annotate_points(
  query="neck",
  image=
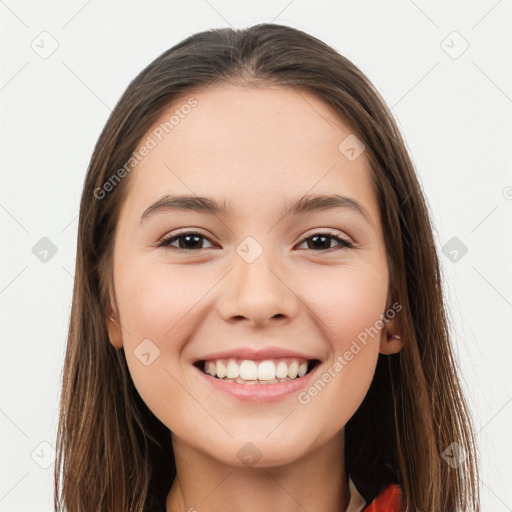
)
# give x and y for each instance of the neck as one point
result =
(315, 482)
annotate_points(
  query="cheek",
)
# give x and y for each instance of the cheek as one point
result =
(348, 308)
(159, 303)
(161, 310)
(167, 306)
(347, 304)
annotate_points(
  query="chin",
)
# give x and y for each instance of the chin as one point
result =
(261, 450)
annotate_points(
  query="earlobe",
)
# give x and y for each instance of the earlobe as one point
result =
(390, 341)
(114, 328)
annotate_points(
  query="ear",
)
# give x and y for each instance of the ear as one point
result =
(114, 326)
(391, 340)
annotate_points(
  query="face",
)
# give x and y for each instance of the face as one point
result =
(260, 281)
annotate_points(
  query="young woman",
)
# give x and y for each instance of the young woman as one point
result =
(258, 319)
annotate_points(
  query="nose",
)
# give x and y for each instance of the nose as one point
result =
(257, 293)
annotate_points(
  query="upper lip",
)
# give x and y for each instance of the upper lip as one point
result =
(256, 353)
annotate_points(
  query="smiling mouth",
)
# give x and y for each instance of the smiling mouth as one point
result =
(247, 371)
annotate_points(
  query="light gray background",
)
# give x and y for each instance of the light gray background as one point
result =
(455, 112)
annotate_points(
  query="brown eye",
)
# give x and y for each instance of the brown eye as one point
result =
(193, 241)
(322, 241)
(188, 241)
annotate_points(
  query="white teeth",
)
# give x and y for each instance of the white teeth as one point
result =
(281, 370)
(221, 370)
(233, 370)
(266, 370)
(293, 369)
(247, 371)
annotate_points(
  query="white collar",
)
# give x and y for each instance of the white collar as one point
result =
(357, 502)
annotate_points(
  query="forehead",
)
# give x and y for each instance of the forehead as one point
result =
(252, 145)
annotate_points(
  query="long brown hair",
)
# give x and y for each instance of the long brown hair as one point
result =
(113, 454)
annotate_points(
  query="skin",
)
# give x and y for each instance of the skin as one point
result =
(258, 148)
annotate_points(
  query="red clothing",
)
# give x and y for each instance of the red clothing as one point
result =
(389, 500)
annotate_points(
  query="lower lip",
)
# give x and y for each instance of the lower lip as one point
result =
(259, 392)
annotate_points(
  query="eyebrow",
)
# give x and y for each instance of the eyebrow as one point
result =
(306, 204)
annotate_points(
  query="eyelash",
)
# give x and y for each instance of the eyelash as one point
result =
(344, 243)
